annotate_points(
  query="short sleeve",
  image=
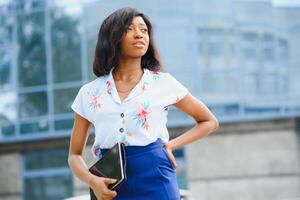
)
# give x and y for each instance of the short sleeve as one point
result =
(175, 90)
(79, 105)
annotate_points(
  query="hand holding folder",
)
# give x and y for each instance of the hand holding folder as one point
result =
(111, 165)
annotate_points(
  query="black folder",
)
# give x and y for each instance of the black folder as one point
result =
(111, 165)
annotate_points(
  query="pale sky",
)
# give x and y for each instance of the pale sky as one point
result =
(275, 2)
(286, 2)
(282, 2)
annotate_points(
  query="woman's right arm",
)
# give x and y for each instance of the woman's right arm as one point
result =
(80, 133)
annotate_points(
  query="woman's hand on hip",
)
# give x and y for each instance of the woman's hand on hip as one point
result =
(169, 151)
(100, 187)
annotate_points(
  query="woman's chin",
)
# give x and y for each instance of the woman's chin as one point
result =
(137, 54)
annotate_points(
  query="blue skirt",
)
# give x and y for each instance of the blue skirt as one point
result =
(150, 174)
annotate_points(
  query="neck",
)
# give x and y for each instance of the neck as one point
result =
(128, 69)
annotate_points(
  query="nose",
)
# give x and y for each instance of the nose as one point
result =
(138, 34)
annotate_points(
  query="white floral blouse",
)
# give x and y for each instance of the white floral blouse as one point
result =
(139, 120)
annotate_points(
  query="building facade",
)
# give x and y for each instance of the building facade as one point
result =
(240, 58)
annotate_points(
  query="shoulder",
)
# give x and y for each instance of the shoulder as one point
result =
(160, 76)
(97, 84)
(163, 79)
(167, 79)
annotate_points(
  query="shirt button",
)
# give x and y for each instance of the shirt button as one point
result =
(121, 130)
(122, 115)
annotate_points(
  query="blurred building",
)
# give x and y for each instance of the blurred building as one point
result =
(240, 58)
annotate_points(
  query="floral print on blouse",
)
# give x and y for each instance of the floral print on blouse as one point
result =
(142, 115)
(139, 119)
(95, 100)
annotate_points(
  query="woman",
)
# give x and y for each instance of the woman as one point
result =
(129, 102)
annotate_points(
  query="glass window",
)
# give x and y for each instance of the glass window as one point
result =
(46, 160)
(32, 55)
(91, 44)
(201, 48)
(202, 34)
(214, 48)
(268, 48)
(268, 54)
(212, 44)
(65, 124)
(283, 49)
(36, 127)
(63, 99)
(249, 46)
(215, 43)
(7, 130)
(251, 85)
(249, 53)
(48, 188)
(232, 42)
(232, 48)
(25, 5)
(271, 84)
(66, 56)
(8, 112)
(231, 108)
(47, 175)
(284, 84)
(5, 70)
(215, 83)
(33, 104)
(6, 25)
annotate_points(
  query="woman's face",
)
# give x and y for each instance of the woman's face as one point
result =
(135, 40)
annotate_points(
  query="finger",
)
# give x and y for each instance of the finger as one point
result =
(173, 161)
(110, 193)
(172, 158)
(104, 197)
(109, 180)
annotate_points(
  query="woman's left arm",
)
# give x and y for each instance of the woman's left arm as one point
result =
(206, 124)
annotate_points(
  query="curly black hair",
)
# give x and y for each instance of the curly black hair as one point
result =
(107, 50)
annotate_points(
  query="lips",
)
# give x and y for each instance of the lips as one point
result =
(139, 44)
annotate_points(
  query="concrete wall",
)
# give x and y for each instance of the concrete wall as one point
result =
(10, 176)
(249, 161)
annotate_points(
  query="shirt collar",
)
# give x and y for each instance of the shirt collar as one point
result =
(140, 87)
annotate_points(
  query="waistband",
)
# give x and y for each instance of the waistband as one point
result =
(133, 150)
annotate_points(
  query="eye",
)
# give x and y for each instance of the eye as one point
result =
(145, 30)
